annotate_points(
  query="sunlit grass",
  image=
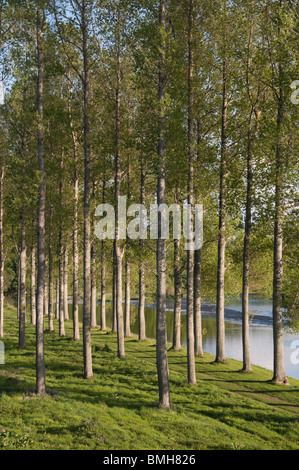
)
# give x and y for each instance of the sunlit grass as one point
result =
(117, 408)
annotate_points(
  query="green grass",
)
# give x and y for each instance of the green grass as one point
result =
(117, 409)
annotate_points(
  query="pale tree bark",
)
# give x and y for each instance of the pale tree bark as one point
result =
(119, 306)
(22, 248)
(220, 325)
(248, 226)
(33, 286)
(127, 265)
(127, 300)
(50, 299)
(118, 248)
(141, 303)
(103, 272)
(252, 134)
(61, 285)
(197, 274)
(22, 315)
(103, 287)
(57, 299)
(46, 298)
(76, 332)
(190, 253)
(161, 332)
(75, 307)
(65, 282)
(279, 375)
(50, 271)
(93, 282)
(177, 346)
(114, 309)
(61, 314)
(87, 357)
(246, 265)
(93, 289)
(197, 305)
(40, 354)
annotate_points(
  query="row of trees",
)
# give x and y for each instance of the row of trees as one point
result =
(161, 101)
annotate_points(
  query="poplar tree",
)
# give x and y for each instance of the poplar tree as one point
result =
(161, 349)
(40, 354)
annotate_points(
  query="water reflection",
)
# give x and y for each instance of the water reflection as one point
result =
(257, 306)
(261, 339)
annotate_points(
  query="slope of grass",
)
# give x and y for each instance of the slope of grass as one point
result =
(117, 408)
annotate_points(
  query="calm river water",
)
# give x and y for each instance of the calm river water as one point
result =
(261, 338)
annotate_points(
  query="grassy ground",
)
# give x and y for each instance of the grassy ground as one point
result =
(117, 409)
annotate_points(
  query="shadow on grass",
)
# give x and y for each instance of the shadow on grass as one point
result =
(222, 412)
(13, 385)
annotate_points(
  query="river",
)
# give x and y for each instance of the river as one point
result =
(261, 337)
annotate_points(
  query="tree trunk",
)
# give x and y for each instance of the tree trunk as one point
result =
(190, 253)
(119, 307)
(141, 303)
(93, 289)
(197, 275)
(114, 319)
(220, 326)
(128, 301)
(33, 287)
(61, 314)
(118, 249)
(40, 354)
(128, 265)
(22, 315)
(57, 298)
(161, 332)
(103, 287)
(197, 304)
(50, 305)
(65, 288)
(103, 272)
(246, 257)
(93, 284)
(279, 375)
(177, 298)
(61, 286)
(88, 371)
(76, 333)
(75, 308)
(248, 225)
(46, 299)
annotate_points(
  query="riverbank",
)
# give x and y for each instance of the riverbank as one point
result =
(117, 409)
(261, 333)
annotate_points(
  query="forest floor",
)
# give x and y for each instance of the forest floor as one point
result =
(117, 409)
